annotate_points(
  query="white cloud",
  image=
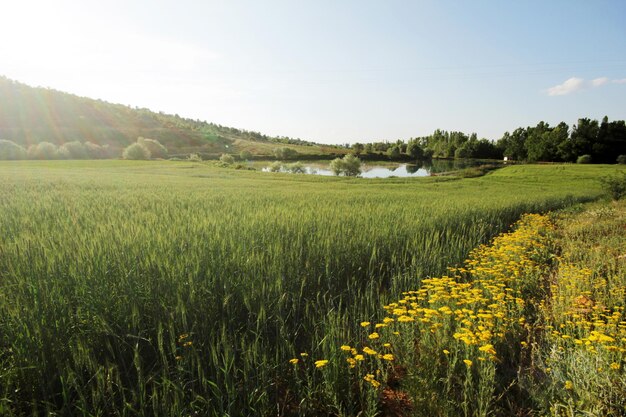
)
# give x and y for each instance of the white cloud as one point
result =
(569, 86)
(599, 81)
(574, 84)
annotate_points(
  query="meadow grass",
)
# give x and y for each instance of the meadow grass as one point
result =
(174, 288)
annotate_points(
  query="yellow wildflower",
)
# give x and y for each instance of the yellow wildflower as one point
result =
(321, 363)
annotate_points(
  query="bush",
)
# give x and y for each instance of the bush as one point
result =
(349, 166)
(95, 151)
(194, 157)
(72, 150)
(296, 168)
(42, 150)
(136, 151)
(227, 159)
(285, 153)
(275, 167)
(621, 159)
(154, 146)
(245, 155)
(11, 151)
(615, 186)
(584, 159)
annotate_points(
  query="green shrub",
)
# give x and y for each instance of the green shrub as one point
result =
(276, 166)
(95, 151)
(154, 146)
(42, 150)
(621, 159)
(136, 151)
(72, 150)
(296, 168)
(615, 186)
(11, 150)
(227, 159)
(584, 159)
(350, 166)
(285, 153)
(245, 155)
(194, 157)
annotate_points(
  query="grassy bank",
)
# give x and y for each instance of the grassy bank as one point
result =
(171, 288)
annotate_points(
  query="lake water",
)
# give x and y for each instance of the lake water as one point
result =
(388, 170)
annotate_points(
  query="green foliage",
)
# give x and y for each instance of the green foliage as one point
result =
(621, 159)
(72, 150)
(394, 152)
(615, 185)
(358, 148)
(136, 151)
(285, 153)
(584, 159)
(276, 166)
(350, 166)
(296, 168)
(227, 159)
(134, 288)
(11, 151)
(194, 157)
(157, 151)
(95, 151)
(42, 150)
(414, 150)
(245, 155)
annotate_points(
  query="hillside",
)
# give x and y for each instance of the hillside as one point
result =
(29, 115)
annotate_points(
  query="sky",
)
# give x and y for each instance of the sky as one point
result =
(330, 71)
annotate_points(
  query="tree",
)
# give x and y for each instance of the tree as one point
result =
(42, 150)
(245, 155)
(227, 159)
(514, 145)
(394, 152)
(357, 148)
(72, 150)
(136, 151)
(350, 166)
(543, 142)
(581, 140)
(285, 153)
(414, 150)
(11, 151)
(154, 146)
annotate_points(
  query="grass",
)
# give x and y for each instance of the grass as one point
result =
(174, 288)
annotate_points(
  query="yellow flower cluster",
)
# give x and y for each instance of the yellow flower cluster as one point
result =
(578, 319)
(477, 305)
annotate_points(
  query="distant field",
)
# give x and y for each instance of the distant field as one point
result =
(166, 288)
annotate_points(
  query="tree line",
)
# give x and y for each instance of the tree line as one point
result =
(586, 141)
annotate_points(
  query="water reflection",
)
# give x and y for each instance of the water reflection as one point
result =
(373, 170)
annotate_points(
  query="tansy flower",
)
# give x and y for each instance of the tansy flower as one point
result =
(369, 351)
(467, 362)
(346, 348)
(374, 336)
(293, 361)
(365, 323)
(569, 385)
(321, 363)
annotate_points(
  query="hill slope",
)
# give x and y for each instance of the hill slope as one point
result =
(30, 115)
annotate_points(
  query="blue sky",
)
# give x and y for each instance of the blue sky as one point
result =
(331, 71)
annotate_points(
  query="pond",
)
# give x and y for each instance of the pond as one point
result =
(376, 169)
